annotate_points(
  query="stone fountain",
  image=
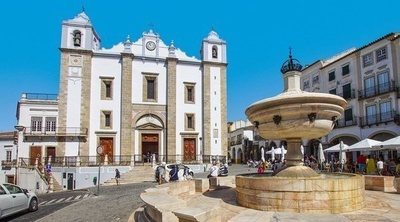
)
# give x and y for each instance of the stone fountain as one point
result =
(292, 116)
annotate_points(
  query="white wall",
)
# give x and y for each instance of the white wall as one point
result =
(28, 110)
(105, 67)
(7, 145)
(147, 66)
(215, 109)
(191, 74)
(31, 180)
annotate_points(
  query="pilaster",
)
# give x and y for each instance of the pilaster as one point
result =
(85, 99)
(171, 107)
(62, 102)
(206, 110)
(224, 119)
(126, 104)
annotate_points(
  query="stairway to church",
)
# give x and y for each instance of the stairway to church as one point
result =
(56, 186)
(137, 175)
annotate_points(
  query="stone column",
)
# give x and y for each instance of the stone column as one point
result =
(294, 156)
(126, 104)
(171, 108)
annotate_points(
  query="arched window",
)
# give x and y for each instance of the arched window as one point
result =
(77, 38)
(215, 52)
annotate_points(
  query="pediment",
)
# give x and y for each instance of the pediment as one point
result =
(148, 126)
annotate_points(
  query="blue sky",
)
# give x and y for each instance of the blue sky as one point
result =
(258, 35)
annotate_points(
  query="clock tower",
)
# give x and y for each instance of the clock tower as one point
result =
(150, 44)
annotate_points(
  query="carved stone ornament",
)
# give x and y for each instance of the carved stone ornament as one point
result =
(277, 119)
(75, 60)
(312, 117)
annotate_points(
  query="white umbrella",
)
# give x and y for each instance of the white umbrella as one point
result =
(262, 154)
(283, 151)
(342, 153)
(336, 148)
(363, 145)
(321, 157)
(391, 144)
(302, 149)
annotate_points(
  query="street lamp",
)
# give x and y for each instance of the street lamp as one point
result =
(19, 128)
(99, 151)
(201, 149)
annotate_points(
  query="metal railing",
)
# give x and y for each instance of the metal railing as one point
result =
(8, 164)
(348, 94)
(378, 90)
(377, 118)
(56, 131)
(121, 160)
(39, 96)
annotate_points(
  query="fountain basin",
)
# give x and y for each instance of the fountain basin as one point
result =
(293, 109)
(326, 193)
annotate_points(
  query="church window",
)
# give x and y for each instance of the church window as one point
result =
(77, 38)
(150, 85)
(150, 88)
(189, 92)
(215, 52)
(106, 87)
(189, 122)
(106, 119)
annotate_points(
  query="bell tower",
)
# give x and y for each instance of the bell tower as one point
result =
(78, 41)
(214, 63)
(79, 33)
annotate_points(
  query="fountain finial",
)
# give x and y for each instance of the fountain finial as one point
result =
(291, 64)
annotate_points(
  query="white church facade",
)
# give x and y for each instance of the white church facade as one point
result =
(134, 99)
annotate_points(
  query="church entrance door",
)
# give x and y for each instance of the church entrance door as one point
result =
(108, 148)
(149, 146)
(189, 146)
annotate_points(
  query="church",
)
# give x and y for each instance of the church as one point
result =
(138, 99)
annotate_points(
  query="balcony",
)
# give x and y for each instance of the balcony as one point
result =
(57, 131)
(7, 165)
(378, 118)
(345, 123)
(378, 90)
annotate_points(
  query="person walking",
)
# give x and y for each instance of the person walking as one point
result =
(117, 176)
(371, 165)
(379, 165)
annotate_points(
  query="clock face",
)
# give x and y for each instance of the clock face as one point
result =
(150, 45)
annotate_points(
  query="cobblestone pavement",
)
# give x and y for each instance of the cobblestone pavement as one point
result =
(115, 203)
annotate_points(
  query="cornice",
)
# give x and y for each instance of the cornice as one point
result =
(82, 51)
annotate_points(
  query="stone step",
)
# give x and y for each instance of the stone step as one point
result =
(136, 175)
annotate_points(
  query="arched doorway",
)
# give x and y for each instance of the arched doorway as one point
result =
(382, 136)
(348, 140)
(149, 130)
